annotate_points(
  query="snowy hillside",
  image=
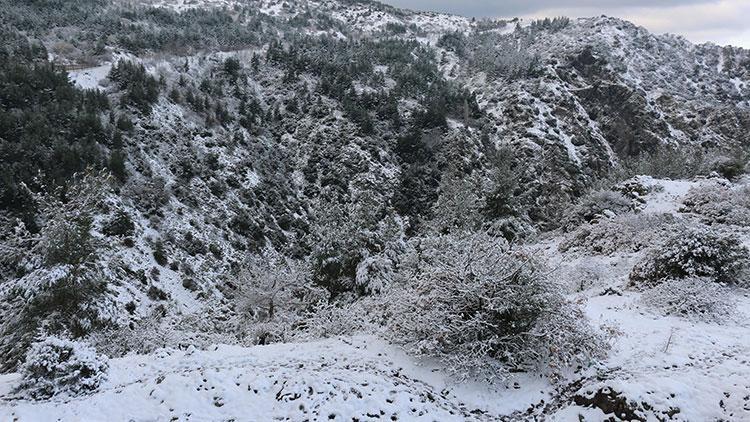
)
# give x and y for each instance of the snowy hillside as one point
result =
(219, 209)
(660, 367)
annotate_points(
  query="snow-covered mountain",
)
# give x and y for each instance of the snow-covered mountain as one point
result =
(661, 367)
(184, 173)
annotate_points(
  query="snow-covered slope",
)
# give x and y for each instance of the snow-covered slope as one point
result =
(326, 135)
(668, 366)
(659, 368)
(339, 379)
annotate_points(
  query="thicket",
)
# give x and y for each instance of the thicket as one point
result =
(694, 252)
(485, 310)
(56, 282)
(49, 129)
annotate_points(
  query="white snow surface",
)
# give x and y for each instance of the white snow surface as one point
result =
(666, 195)
(91, 77)
(340, 379)
(701, 369)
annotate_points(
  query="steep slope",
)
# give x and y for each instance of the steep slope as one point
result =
(660, 367)
(326, 132)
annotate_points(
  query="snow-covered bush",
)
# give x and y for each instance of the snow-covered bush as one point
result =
(148, 195)
(719, 203)
(626, 233)
(693, 252)
(512, 228)
(595, 206)
(636, 188)
(586, 273)
(485, 310)
(277, 301)
(730, 167)
(63, 287)
(121, 224)
(694, 298)
(155, 331)
(375, 273)
(274, 295)
(329, 320)
(60, 366)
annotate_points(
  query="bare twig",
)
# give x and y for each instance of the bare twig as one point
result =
(669, 340)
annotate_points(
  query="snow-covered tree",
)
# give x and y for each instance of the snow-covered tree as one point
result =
(62, 279)
(457, 207)
(274, 293)
(344, 234)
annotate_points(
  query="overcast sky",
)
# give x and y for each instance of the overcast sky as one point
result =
(720, 21)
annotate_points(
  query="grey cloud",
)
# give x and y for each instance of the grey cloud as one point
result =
(719, 21)
(520, 7)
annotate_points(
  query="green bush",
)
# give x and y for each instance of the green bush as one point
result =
(140, 90)
(733, 167)
(160, 254)
(119, 225)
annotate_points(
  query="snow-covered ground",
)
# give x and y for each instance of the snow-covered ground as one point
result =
(675, 368)
(698, 370)
(337, 379)
(665, 366)
(91, 77)
(666, 195)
